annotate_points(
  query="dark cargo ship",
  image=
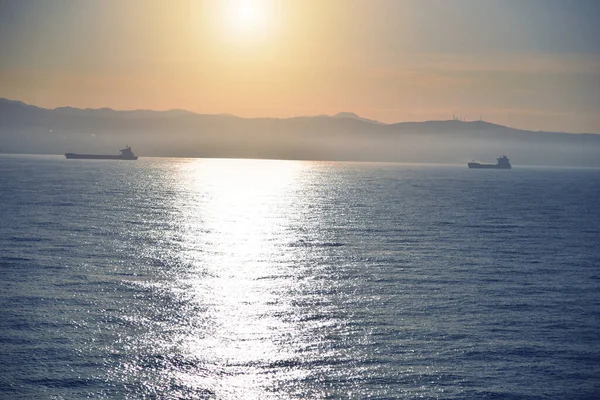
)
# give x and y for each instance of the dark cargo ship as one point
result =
(503, 163)
(126, 154)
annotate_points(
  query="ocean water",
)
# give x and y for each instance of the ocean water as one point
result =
(256, 279)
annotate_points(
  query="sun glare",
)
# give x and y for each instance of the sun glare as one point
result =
(246, 19)
(246, 14)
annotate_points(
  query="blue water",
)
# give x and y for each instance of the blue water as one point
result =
(241, 279)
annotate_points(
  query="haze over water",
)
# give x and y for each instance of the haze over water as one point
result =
(229, 279)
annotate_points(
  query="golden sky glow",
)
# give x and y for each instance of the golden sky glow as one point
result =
(534, 64)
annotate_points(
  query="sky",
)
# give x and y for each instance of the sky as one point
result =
(531, 64)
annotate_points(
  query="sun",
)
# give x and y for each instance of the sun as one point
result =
(246, 19)
(246, 14)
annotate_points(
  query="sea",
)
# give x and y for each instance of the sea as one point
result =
(168, 278)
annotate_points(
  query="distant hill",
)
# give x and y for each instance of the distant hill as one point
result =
(346, 136)
(351, 115)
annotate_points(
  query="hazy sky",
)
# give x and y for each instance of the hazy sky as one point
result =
(533, 64)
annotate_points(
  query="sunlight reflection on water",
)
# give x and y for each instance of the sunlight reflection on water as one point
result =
(238, 216)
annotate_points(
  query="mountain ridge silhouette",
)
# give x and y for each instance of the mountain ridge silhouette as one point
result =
(28, 128)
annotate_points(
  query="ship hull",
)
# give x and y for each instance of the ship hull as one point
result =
(76, 156)
(487, 166)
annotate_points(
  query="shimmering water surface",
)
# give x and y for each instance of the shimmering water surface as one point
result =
(242, 279)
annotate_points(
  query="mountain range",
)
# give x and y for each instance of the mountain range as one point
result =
(345, 136)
